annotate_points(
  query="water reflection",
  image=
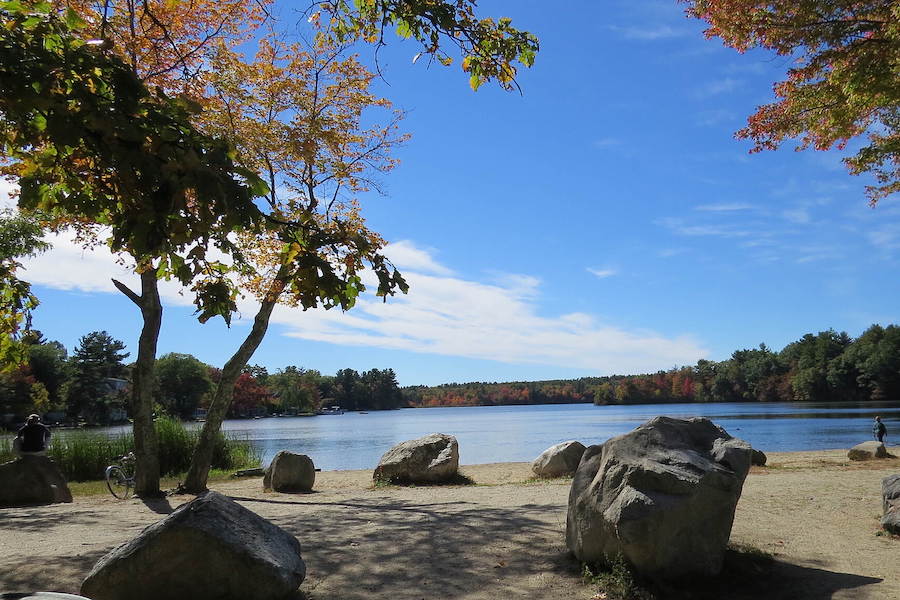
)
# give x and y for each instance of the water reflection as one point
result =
(520, 433)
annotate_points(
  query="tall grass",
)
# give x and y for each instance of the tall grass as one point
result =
(84, 456)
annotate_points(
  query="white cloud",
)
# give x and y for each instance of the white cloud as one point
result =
(797, 215)
(69, 266)
(606, 142)
(886, 237)
(6, 191)
(405, 254)
(442, 314)
(680, 227)
(602, 273)
(670, 252)
(719, 86)
(649, 33)
(711, 118)
(724, 207)
(456, 317)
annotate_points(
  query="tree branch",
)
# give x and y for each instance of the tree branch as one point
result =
(131, 295)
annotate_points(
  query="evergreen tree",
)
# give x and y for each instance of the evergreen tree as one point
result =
(97, 359)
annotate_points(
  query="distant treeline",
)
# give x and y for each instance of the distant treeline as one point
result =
(92, 385)
(824, 367)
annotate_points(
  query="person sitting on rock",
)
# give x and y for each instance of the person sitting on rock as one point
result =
(878, 429)
(33, 437)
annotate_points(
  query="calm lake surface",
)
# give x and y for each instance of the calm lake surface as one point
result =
(519, 433)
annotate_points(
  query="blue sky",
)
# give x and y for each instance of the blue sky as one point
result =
(605, 221)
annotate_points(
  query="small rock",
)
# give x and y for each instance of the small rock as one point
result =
(867, 450)
(429, 459)
(559, 460)
(289, 473)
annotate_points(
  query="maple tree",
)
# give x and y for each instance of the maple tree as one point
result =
(91, 144)
(92, 148)
(296, 116)
(20, 236)
(845, 82)
(490, 48)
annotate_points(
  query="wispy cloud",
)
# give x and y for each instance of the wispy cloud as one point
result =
(606, 142)
(648, 33)
(670, 252)
(681, 227)
(602, 273)
(711, 118)
(799, 216)
(724, 207)
(720, 86)
(405, 254)
(886, 237)
(442, 314)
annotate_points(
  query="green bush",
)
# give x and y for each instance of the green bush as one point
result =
(84, 455)
(6, 453)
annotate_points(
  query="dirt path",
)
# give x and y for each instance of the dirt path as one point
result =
(503, 538)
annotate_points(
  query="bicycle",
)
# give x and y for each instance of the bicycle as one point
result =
(120, 477)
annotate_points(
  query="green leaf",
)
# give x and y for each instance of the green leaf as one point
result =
(73, 21)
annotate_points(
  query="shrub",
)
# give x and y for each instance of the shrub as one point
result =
(84, 455)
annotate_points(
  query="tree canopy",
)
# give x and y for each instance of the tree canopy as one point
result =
(20, 236)
(490, 47)
(845, 82)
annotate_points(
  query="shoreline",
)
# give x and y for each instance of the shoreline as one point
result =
(814, 514)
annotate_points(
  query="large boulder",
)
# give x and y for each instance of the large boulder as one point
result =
(31, 480)
(867, 451)
(430, 459)
(758, 458)
(209, 548)
(662, 496)
(890, 502)
(290, 472)
(559, 460)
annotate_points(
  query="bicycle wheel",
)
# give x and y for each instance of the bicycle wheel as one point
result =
(118, 483)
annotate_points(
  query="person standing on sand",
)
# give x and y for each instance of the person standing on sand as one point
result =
(878, 429)
(32, 438)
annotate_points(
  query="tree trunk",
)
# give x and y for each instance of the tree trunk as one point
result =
(146, 446)
(198, 473)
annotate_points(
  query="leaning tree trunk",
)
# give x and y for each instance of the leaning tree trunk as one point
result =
(198, 472)
(146, 446)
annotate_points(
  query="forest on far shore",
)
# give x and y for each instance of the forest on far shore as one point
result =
(823, 367)
(91, 385)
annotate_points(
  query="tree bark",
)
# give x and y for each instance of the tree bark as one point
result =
(146, 446)
(198, 472)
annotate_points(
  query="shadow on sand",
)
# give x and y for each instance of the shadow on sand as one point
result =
(364, 547)
(752, 575)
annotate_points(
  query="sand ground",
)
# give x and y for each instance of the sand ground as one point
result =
(815, 513)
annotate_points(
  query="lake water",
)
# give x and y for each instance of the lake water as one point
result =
(519, 433)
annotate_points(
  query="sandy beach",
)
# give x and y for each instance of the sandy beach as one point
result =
(815, 514)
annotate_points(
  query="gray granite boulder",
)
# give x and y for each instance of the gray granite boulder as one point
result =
(758, 458)
(31, 480)
(430, 459)
(290, 472)
(890, 503)
(663, 496)
(867, 451)
(209, 548)
(559, 460)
